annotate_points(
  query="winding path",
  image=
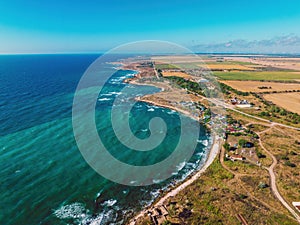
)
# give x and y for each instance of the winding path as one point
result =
(273, 180)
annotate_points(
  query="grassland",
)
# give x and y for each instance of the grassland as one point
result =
(165, 66)
(219, 196)
(285, 147)
(259, 76)
(224, 66)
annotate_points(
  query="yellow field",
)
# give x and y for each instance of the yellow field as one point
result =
(253, 86)
(176, 74)
(289, 101)
(229, 67)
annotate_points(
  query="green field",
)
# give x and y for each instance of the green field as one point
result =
(188, 65)
(165, 66)
(232, 63)
(264, 75)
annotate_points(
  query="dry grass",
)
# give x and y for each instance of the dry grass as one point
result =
(280, 62)
(289, 101)
(284, 148)
(176, 74)
(253, 86)
(226, 66)
(217, 197)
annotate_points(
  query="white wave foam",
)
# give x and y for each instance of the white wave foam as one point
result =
(180, 166)
(171, 112)
(199, 154)
(204, 142)
(150, 110)
(103, 99)
(106, 94)
(74, 210)
(109, 202)
(155, 193)
(157, 181)
(115, 93)
(94, 221)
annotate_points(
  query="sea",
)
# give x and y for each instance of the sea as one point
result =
(44, 178)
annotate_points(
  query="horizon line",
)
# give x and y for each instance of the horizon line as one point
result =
(97, 53)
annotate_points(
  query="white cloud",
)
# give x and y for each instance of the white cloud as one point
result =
(281, 44)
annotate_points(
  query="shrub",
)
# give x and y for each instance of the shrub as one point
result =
(288, 163)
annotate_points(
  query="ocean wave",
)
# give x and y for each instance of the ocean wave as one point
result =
(180, 166)
(204, 142)
(171, 112)
(109, 203)
(74, 210)
(157, 181)
(103, 99)
(80, 215)
(154, 193)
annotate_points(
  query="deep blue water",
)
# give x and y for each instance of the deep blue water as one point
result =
(44, 178)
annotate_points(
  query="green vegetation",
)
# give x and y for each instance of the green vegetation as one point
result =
(260, 155)
(288, 163)
(226, 146)
(273, 111)
(165, 66)
(242, 142)
(270, 111)
(187, 84)
(226, 89)
(217, 172)
(166, 223)
(261, 76)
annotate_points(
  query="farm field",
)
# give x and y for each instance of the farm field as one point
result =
(292, 63)
(227, 66)
(289, 101)
(264, 75)
(176, 74)
(259, 86)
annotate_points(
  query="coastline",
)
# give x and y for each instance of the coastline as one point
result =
(212, 154)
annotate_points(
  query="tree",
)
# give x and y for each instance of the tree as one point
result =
(226, 146)
(242, 142)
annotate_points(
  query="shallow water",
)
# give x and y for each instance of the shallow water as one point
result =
(44, 178)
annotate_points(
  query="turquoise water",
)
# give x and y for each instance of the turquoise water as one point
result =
(44, 178)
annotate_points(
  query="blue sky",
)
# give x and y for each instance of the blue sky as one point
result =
(73, 26)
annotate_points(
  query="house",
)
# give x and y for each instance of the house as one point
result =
(244, 105)
(235, 157)
(234, 101)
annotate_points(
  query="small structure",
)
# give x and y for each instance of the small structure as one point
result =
(240, 103)
(244, 105)
(235, 157)
(296, 205)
